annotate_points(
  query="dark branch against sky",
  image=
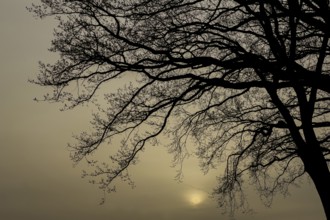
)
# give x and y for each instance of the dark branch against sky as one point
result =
(38, 181)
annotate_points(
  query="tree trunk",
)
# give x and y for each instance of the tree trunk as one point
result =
(317, 168)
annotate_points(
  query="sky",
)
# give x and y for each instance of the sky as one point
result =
(38, 180)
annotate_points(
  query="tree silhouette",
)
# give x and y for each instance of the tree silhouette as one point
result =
(246, 80)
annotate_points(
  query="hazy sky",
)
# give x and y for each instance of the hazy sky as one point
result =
(38, 180)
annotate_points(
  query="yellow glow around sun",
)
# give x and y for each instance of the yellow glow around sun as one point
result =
(195, 197)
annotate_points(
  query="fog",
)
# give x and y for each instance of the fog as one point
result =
(38, 180)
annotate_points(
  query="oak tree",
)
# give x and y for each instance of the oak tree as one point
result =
(246, 81)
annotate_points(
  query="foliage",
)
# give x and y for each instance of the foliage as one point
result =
(246, 81)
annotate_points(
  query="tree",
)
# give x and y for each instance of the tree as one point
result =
(247, 81)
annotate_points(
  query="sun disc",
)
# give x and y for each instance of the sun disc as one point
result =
(195, 199)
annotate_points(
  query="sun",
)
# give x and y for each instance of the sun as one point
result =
(195, 197)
